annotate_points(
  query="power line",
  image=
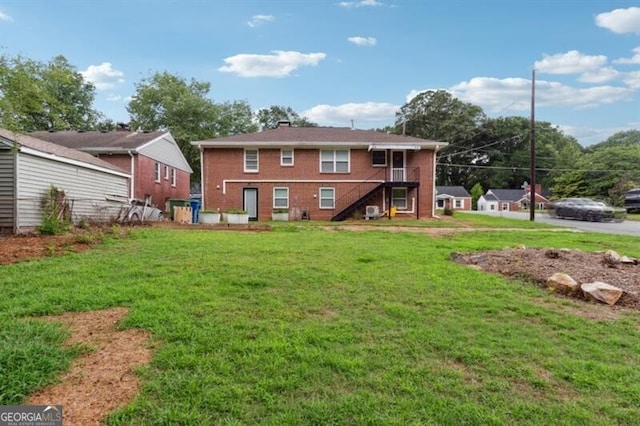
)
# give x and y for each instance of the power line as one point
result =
(477, 166)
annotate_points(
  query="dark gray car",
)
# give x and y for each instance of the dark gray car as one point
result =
(582, 209)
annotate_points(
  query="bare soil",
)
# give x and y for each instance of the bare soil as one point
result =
(105, 379)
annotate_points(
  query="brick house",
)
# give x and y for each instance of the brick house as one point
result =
(453, 197)
(159, 170)
(321, 173)
(512, 199)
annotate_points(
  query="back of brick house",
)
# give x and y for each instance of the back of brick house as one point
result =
(320, 173)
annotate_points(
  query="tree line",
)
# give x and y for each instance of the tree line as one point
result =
(482, 152)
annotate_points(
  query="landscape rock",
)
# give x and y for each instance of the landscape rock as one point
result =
(552, 254)
(562, 283)
(612, 258)
(601, 292)
(628, 260)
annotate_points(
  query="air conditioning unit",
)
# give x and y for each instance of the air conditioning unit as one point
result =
(372, 211)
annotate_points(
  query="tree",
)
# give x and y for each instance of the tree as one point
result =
(45, 96)
(170, 102)
(476, 193)
(439, 116)
(268, 117)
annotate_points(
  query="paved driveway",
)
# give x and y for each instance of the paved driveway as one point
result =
(627, 227)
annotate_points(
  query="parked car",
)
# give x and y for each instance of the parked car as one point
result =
(582, 209)
(138, 210)
(632, 200)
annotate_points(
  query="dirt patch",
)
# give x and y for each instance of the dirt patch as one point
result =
(104, 379)
(539, 264)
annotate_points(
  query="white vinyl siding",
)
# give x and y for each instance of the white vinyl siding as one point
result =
(327, 198)
(334, 161)
(281, 198)
(251, 158)
(6, 190)
(286, 157)
(86, 189)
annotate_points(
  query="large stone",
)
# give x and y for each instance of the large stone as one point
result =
(602, 292)
(562, 283)
(612, 258)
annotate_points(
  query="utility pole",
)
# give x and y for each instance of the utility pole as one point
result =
(532, 156)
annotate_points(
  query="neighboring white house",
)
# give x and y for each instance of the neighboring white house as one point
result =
(29, 167)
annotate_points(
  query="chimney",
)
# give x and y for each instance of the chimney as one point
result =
(284, 123)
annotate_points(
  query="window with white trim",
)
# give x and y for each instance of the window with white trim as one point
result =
(399, 198)
(505, 206)
(458, 204)
(157, 171)
(378, 158)
(286, 157)
(166, 172)
(173, 177)
(334, 161)
(281, 198)
(251, 160)
(327, 198)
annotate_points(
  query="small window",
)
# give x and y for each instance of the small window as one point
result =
(173, 177)
(281, 198)
(399, 198)
(458, 204)
(157, 171)
(440, 204)
(334, 161)
(379, 158)
(166, 172)
(327, 198)
(505, 206)
(250, 160)
(286, 157)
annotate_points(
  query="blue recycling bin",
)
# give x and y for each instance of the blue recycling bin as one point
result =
(195, 210)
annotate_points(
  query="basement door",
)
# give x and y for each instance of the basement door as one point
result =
(250, 202)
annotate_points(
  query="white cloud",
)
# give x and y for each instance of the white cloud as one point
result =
(114, 98)
(259, 20)
(632, 80)
(635, 59)
(361, 3)
(620, 21)
(5, 17)
(599, 76)
(572, 62)
(341, 115)
(103, 76)
(589, 135)
(279, 64)
(362, 41)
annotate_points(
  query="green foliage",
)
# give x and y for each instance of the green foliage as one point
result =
(168, 101)
(268, 117)
(56, 212)
(44, 96)
(476, 192)
(235, 211)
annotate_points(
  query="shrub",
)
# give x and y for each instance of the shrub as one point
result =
(56, 213)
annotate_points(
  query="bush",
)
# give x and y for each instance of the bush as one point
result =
(448, 211)
(56, 213)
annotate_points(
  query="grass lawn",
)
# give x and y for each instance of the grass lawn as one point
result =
(303, 325)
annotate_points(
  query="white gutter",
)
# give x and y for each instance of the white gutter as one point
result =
(201, 178)
(225, 181)
(433, 184)
(36, 153)
(397, 146)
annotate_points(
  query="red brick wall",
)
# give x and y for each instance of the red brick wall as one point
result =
(160, 192)
(228, 164)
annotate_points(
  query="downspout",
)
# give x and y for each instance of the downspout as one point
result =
(433, 184)
(15, 190)
(201, 177)
(133, 174)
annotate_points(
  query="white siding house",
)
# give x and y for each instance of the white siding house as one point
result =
(29, 167)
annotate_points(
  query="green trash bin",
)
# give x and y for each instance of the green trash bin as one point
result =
(176, 202)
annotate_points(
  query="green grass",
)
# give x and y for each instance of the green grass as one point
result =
(305, 326)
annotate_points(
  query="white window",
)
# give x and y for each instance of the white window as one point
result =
(334, 161)
(327, 198)
(157, 171)
(399, 198)
(166, 172)
(379, 158)
(250, 160)
(173, 177)
(492, 206)
(286, 157)
(440, 204)
(281, 198)
(505, 206)
(458, 204)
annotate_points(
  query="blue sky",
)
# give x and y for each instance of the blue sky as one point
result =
(337, 61)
